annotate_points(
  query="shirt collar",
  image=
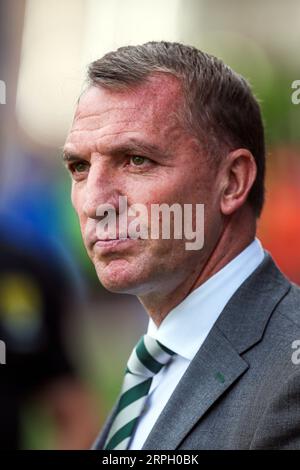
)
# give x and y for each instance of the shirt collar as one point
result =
(187, 325)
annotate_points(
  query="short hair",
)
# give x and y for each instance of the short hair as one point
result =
(219, 105)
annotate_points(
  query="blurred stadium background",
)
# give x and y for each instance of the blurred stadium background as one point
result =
(45, 46)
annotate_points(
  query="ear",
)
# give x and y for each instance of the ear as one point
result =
(239, 173)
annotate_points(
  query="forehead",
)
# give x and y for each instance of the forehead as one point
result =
(151, 103)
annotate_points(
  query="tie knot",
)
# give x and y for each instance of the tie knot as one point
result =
(148, 357)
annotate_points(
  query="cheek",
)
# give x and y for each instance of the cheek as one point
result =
(76, 198)
(77, 202)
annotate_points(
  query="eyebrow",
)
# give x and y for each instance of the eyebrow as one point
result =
(68, 157)
(116, 150)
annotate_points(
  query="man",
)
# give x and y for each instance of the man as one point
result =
(167, 123)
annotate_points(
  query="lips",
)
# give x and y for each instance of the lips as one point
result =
(106, 238)
(93, 236)
(110, 246)
(110, 241)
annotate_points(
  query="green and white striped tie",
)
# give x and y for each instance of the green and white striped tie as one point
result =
(146, 360)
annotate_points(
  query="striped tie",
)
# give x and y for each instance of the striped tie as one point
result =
(146, 360)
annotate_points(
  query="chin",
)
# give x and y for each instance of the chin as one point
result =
(120, 277)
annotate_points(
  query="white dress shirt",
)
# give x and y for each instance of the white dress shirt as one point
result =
(186, 327)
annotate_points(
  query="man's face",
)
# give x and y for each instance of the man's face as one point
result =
(131, 144)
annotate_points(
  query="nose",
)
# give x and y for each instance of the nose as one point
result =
(101, 188)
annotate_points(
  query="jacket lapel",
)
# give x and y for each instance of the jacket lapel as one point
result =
(214, 368)
(218, 363)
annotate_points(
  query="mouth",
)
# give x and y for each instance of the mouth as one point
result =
(111, 244)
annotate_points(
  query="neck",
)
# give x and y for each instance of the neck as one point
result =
(236, 235)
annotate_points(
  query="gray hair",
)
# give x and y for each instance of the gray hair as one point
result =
(219, 106)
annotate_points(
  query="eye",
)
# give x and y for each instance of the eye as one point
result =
(137, 160)
(78, 169)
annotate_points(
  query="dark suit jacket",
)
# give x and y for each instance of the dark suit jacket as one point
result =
(242, 389)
